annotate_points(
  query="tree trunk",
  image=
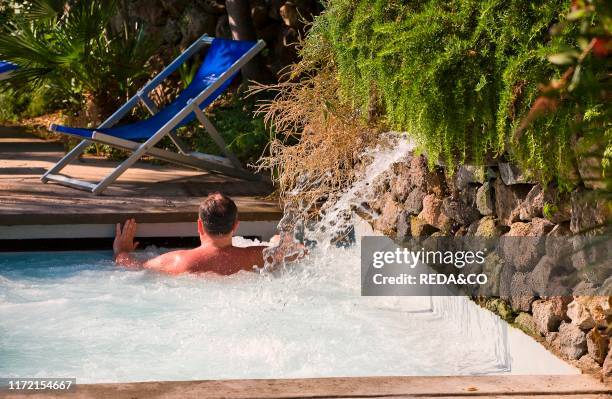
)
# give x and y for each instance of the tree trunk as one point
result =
(241, 25)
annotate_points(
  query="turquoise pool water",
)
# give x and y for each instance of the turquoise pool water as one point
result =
(74, 314)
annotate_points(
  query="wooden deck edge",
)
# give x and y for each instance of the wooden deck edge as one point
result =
(261, 228)
(142, 217)
(351, 387)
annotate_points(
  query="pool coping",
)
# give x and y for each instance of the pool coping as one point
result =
(61, 217)
(552, 386)
(264, 229)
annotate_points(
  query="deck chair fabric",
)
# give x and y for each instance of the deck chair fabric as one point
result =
(220, 56)
(6, 68)
(222, 63)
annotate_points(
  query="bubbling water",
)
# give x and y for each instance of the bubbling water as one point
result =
(75, 314)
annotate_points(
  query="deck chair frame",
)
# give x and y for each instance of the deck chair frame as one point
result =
(229, 166)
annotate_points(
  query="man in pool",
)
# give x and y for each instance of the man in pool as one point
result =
(217, 222)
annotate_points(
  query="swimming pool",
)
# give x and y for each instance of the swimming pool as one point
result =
(74, 314)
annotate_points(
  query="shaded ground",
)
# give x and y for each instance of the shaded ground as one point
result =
(149, 192)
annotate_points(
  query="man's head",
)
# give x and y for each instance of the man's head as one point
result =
(218, 215)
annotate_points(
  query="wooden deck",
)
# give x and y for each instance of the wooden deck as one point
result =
(576, 387)
(151, 193)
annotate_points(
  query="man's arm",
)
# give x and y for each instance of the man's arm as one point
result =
(124, 245)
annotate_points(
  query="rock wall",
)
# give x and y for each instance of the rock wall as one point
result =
(177, 23)
(499, 200)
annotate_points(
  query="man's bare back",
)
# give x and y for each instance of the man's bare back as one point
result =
(216, 254)
(208, 258)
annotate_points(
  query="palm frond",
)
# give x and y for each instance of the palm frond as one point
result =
(39, 10)
(71, 47)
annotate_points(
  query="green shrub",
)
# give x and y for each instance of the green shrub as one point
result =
(81, 50)
(458, 75)
(16, 105)
(245, 134)
(12, 105)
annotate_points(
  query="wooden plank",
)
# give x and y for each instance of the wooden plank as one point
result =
(355, 387)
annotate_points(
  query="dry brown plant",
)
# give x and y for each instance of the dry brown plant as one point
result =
(318, 138)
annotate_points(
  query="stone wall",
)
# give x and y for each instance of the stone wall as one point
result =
(177, 23)
(496, 201)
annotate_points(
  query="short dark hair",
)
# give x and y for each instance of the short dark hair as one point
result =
(218, 214)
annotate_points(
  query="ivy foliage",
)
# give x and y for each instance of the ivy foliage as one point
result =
(459, 75)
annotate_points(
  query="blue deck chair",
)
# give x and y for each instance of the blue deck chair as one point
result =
(6, 68)
(223, 61)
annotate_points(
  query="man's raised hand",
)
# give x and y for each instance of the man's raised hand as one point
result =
(124, 238)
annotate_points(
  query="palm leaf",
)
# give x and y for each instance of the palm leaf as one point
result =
(38, 10)
(71, 47)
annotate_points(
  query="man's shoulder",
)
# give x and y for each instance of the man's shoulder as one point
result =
(188, 255)
(255, 249)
